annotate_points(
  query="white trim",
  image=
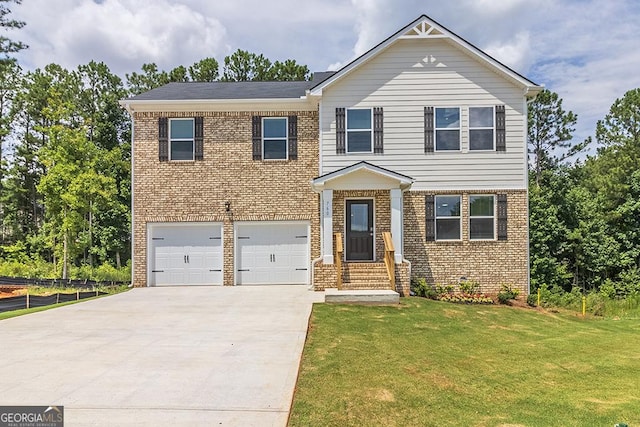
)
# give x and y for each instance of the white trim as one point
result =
(236, 224)
(318, 184)
(435, 213)
(344, 227)
(492, 128)
(286, 137)
(179, 105)
(326, 234)
(493, 217)
(192, 139)
(151, 225)
(346, 131)
(395, 205)
(435, 129)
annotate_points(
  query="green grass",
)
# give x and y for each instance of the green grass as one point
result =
(429, 363)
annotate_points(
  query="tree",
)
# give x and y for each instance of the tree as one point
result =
(178, 74)
(7, 45)
(550, 128)
(205, 70)
(150, 78)
(289, 70)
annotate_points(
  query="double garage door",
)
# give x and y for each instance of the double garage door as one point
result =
(266, 252)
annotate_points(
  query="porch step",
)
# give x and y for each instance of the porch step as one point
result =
(363, 276)
(361, 296)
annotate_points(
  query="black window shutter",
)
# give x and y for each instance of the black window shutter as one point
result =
(428, 130)
(256, 137)
(430, 217)
(340, 131)
(163, 139)
(293, 137)
(378, 133)
(199, 138)
(502, 217)
(501, 137)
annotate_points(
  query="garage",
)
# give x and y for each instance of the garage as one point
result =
(272, 252)
(185, 254)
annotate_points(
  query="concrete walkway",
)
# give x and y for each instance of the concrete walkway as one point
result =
(199, 356)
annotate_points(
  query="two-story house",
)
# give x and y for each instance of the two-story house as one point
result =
(415, 154)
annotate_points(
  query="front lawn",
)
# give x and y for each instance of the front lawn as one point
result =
(430, 363)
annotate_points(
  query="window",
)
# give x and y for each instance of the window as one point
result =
(181, 139)
(447, 129)
(481, 217)
(274, 138)
(447, 217)
(481, 133)
(359, 131)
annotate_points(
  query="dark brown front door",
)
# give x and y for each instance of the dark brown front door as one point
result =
(359, 216)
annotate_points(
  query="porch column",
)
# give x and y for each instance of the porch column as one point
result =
(327, 226)
(396, 222)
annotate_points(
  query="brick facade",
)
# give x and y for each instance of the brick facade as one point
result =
(198, 190)
(491, 263)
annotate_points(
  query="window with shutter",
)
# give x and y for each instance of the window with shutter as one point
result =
(502, 216)
(293, 137)
(340, 131)
(428, 130)
(378, 130)
(181, 139)
(163, 139)
(256, 137)
(501, 135)
(430, 218)
(199, 138)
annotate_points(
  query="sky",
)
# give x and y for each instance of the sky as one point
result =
(588, 51)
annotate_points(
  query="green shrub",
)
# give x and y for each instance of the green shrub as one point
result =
(507, 293)
(444, 289)
(532, 300)
(469, 286)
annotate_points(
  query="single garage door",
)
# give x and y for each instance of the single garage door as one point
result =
(271, 252)
(185, 254)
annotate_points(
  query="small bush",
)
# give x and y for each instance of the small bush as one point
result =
(507, 293)
(444, 289)
(469, 286)
(532, 300)
(420, 287)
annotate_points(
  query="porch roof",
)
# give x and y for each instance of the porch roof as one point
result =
(361, 176)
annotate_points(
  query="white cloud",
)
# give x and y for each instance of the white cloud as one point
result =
(120, 33)
(514, 53)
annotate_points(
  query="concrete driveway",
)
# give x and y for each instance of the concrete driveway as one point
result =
(161, 356)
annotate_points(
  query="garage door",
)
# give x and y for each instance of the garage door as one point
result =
(272, 253)
(185, 254)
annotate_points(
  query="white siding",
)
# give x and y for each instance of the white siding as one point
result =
(411, 75)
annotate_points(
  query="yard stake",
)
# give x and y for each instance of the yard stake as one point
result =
(538, 297)
(584, 306)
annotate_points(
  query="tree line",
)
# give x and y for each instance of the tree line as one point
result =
(585, 212)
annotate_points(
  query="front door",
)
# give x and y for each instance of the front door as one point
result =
(359, 236)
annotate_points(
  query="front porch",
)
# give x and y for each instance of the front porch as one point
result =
(362, 230)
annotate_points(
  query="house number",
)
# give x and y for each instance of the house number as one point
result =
(327, 208)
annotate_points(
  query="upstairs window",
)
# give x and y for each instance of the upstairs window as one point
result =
(274, 138)
(481, 128)
(447, 129)
(447, 212)
(481, 217)
(181, 139)
(359, 130)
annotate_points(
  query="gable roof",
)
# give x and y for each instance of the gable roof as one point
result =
(426, 28)
(402, 181)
